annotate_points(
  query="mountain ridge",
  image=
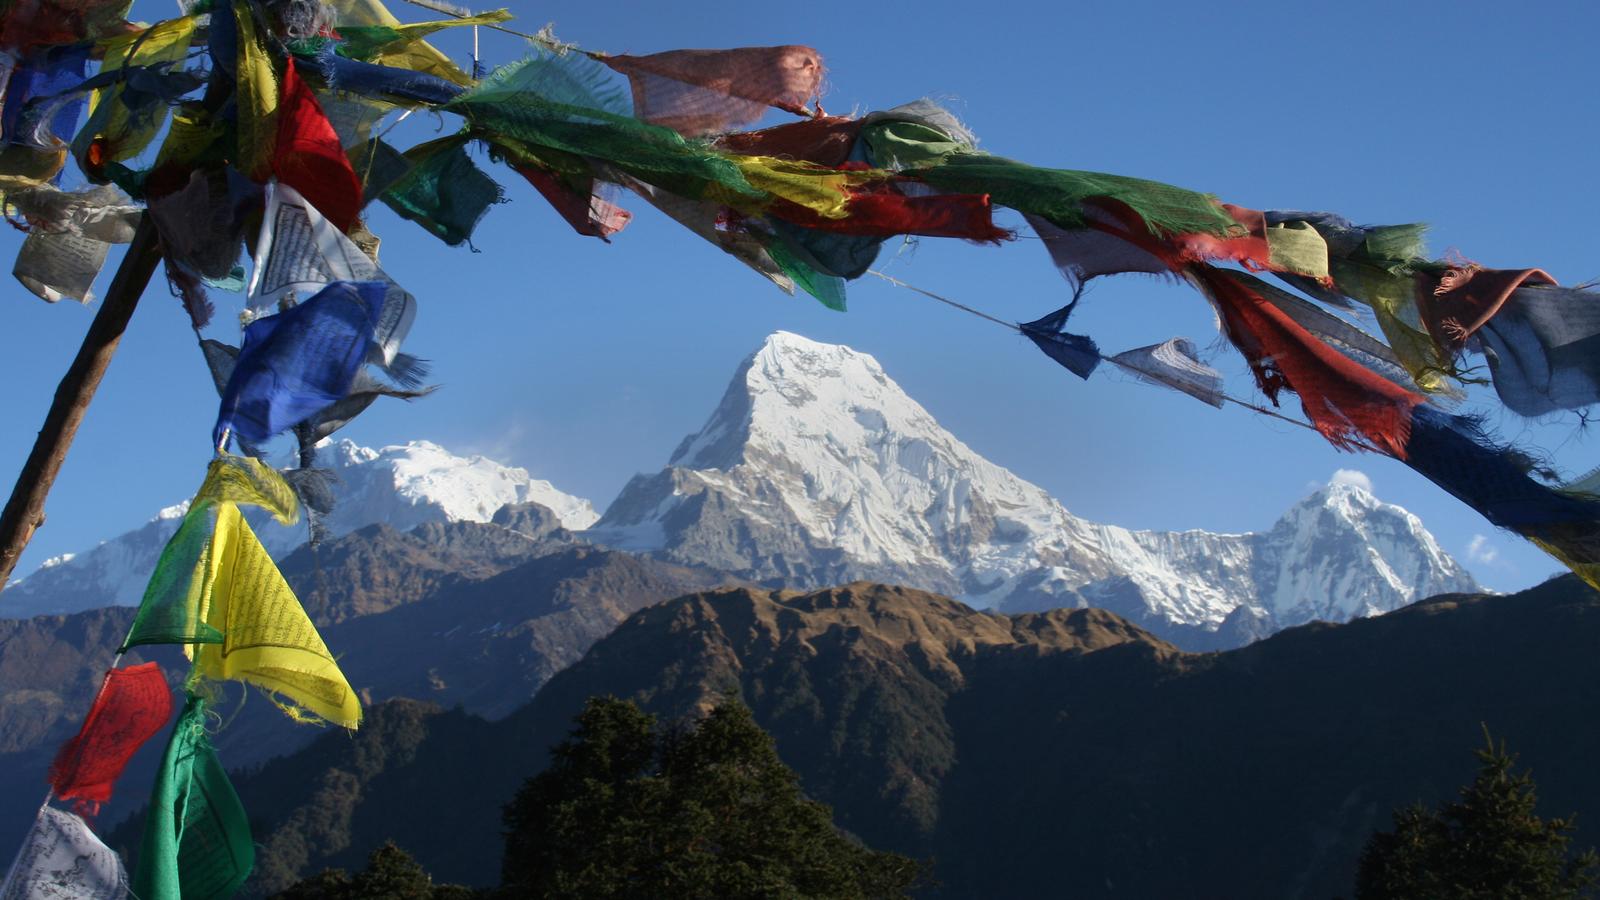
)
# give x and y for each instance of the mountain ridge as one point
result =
(400, 485)
(1029, 754)
(816, 468)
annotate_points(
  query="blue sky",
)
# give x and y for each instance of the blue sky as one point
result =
(588, 362)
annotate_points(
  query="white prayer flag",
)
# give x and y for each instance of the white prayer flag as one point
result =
(301, 251)
(61, 859)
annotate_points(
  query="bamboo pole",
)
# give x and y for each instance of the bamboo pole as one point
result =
(24, 512)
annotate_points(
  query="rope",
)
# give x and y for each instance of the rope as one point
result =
(1011, 326)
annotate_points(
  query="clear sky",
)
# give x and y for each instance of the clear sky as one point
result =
(587, 362)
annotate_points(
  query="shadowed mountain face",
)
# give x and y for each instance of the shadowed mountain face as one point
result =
(1063, 754)
(461, 613)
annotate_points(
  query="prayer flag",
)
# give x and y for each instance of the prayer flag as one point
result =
(698, 92)
(196, 842)
(133, 705)
(309, 157)
(267, 638)
(300, 361)
(61, 859)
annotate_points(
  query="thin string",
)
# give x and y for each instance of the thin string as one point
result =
(1011, 326)
(460, 14)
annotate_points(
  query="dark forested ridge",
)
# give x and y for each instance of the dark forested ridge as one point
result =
(1065, 753)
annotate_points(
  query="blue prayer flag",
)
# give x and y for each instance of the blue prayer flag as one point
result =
(298, 362)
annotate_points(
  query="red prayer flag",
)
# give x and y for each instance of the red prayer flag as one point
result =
(1248, 248)
(589, 214)
(1344, 399)
(1462, 300)
(309, 158)
(880, 211)
(133, 705)
(700, 92)
(825, 140)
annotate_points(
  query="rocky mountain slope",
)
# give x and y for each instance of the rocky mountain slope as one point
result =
(399, 486)
(1063, 754)
(816, 469)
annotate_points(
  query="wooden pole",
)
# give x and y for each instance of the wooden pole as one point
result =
(24, 512)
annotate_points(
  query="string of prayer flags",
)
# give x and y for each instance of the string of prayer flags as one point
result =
(133, 704)
(196, 843)
(267, 638)
(299, 361)
(1174, 364)
(61, 859)
(698, 92)
(292, 103)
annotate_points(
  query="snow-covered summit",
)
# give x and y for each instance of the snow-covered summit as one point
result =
(1342, 553)
(403, 486)
(817, 468)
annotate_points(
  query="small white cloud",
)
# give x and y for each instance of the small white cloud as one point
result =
(1352, 477)
(1480, 551)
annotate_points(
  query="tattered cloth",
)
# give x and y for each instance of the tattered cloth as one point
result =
(133, 705)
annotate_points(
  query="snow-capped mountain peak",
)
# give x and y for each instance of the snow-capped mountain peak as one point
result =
(403, 486)
(815, 440)
(1340, 552)
(817, 468)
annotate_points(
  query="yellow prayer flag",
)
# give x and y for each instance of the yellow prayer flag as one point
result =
(267, 638)
(164, 42)
(245, 479)
(818, 189)
(256, 89)
(418, 56)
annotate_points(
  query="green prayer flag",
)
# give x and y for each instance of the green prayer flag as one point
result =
(1058, 194)
(444, 192)
(197, 842)
(563, 103)
(170, 612)
(829, 289)
(908, 145)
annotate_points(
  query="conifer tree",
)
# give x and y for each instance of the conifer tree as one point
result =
(627, 809)
(1488, 845)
